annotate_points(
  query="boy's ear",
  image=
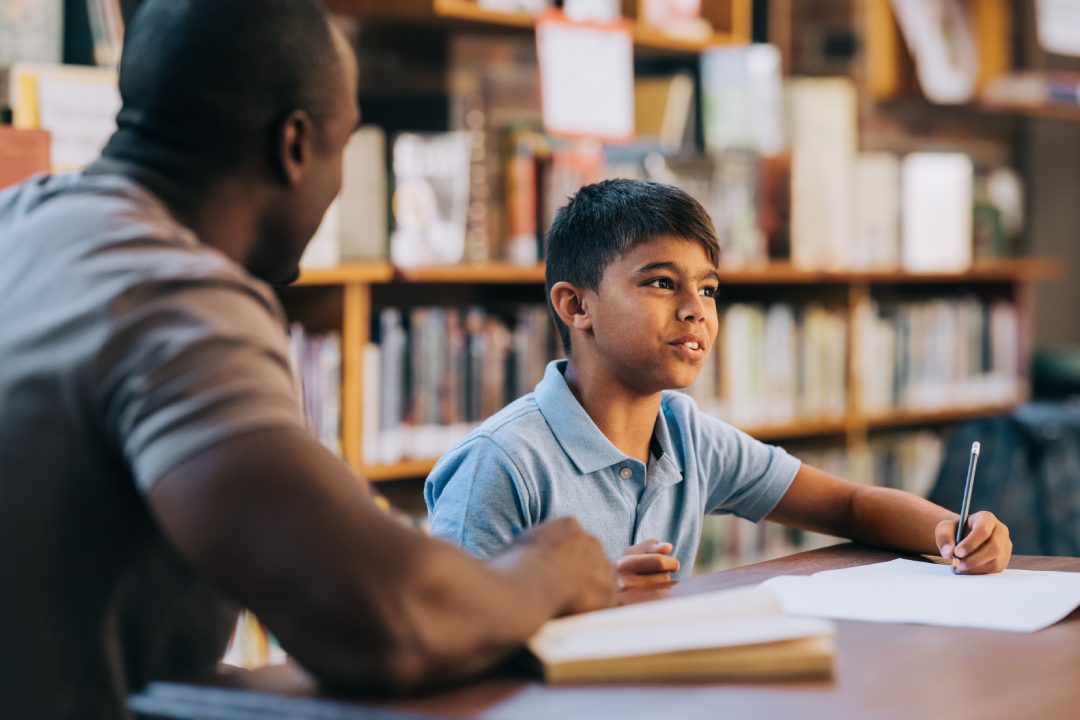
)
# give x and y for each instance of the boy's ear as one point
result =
(571, 305)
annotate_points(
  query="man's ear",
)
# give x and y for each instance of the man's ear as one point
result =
(294, 146)
(571, 305)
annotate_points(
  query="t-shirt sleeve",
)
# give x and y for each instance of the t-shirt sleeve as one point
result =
(187, 364)
(746, 477)
(475, 497)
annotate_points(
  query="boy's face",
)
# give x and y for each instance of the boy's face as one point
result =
(654, 316)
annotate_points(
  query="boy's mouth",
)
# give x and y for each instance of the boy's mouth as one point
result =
(689, 347)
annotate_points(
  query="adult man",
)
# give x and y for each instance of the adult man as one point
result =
(149, 434)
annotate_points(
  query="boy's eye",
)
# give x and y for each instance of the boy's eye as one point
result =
(709, 291)
(663, 283)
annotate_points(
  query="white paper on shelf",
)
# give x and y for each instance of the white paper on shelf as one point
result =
(587, 79)
(929, 593)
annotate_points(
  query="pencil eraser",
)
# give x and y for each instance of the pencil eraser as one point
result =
(975, 447)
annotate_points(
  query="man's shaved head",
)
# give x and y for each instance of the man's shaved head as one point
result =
(210, 80)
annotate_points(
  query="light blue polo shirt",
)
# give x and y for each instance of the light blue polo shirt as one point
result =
(542, 457)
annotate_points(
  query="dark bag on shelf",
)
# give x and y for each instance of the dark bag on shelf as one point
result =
(1028, 475)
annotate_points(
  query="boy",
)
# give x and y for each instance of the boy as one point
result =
(631, 282)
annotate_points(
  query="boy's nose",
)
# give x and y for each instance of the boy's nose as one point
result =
(692, 308)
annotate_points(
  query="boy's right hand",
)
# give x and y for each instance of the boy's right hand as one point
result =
(647, 563)
(572, 558)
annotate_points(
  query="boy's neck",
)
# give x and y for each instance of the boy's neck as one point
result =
(625, 418)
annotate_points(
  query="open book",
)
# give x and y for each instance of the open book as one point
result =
(739, 634)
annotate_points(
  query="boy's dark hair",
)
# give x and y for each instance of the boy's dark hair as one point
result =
(606, 220)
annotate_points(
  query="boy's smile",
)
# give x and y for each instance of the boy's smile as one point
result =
(654, 316)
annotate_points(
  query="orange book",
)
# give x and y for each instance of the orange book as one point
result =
(22, 153)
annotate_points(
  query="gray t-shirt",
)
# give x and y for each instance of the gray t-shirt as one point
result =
(126, 347)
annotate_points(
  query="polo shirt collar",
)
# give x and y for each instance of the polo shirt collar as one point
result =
(577, 434)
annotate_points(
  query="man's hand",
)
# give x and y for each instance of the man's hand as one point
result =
(647, 563)
(985, 549)
(574, 558)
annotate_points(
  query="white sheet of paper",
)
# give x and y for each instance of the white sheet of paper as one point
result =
(920, 592)
(80, 115)
(587, 80)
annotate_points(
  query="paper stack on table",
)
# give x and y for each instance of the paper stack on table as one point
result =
(930, 593)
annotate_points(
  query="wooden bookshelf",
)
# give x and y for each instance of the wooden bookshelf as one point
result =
(808, 430)
(467, 14)
(398, 471)
(356, 281)
(996, 271)
(1045, 111)
(356, 273)
(906, 418)
(495, 272)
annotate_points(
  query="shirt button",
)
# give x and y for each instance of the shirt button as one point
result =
(626, 473)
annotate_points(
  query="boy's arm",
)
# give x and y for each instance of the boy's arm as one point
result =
(890, 518)
(477, 498)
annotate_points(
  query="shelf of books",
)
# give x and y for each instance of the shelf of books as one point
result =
(729, 21)
(777, 273)
(873, 290)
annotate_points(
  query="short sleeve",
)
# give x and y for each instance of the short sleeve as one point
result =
(746, 477)
(475, 497)
(189, 363)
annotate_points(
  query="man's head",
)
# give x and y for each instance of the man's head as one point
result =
(605, 221)
(257, 91)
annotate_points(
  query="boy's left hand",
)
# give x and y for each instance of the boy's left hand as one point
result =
(985, 549)
(648, 563)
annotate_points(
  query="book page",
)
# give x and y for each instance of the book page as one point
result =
(726, 618)
(921, 592)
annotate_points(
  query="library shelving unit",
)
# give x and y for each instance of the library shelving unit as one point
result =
(346, 299)
(730, 18)
(340, 299)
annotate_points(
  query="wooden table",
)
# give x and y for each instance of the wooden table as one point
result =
(882, 671)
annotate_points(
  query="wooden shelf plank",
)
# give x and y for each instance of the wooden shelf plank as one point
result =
(465, 13)
(1020, 269)
(796, 430)
(354, 273)
(904, 418)
(1048, 111)
(495, 272)
(398, 471)
(982, 271)
(766, 433)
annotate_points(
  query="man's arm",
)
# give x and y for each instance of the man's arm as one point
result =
(362, 601)
(891, 518)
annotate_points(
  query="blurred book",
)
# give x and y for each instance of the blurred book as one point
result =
(430, 198)
(937, 197)
(775, 365)
(107, 31)
(433, 373)
(822, 116)
(663, 106)
(742, 98)
(22, 154)
(1057, 23)
(1033, 90)
(941, 40)
(677, 18)
(876, 231)
(739, 634)
(933, 355)
(316, 365)
(76, 104)
(31, 31)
